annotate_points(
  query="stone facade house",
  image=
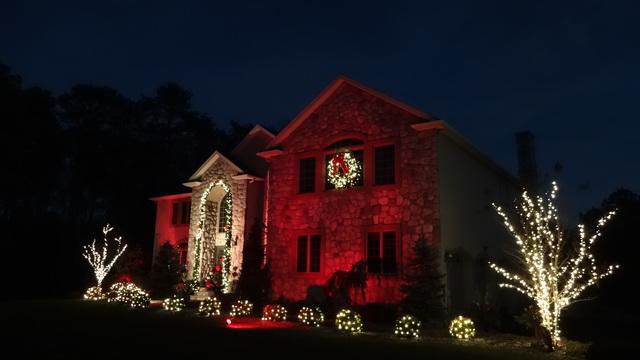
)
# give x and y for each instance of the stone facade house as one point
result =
(413, 178)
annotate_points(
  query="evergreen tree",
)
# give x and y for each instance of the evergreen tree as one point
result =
(253, 283)
(166, 271)
(422, 284)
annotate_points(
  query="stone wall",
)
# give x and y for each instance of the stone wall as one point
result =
(342, 217)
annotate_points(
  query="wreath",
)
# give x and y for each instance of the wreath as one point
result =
(343, 170)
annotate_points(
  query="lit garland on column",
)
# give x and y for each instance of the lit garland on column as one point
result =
(226, 253)
(311, 316)
(555, 274)
(343, 170)
(349, 321)
(274, 312)
(462, 328)
(98, 259)
(408, 326)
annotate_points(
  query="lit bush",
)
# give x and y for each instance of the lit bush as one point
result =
(140, 300)
(462, 328)
(407, 326)
(311, 316)
(174, 304)
(128, 293)
(241, 308)
(94, 293)
(349, 321)
(115, 291)
(274, 312)
(210, 307)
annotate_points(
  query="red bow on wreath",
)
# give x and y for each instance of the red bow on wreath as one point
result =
(339, 164)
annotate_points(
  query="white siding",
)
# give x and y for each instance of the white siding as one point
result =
(467, 185)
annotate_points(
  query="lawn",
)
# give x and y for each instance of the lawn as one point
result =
(65, 328)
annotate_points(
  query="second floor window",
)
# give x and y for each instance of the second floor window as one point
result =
(308, 253)
(181, 212)
(385, 165)
(307, 175)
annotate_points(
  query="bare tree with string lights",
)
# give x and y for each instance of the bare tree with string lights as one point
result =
(553, 272)
(98, 258)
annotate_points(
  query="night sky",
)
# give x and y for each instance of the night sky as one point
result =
(568, 71)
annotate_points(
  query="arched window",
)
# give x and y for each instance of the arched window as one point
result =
(346, 143)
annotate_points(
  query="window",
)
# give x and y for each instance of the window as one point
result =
(307, 175)
(308, 253)
(359, 156)
(175, 213)
(344, 143)
(381, 252)
(182, 252)
(222, 214)
(186, 212)
(181, 212)
(384, 165)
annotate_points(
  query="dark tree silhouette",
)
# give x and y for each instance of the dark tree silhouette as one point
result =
(618, 245)
(422, 284)
(31, 155)
(89, 157)
(166, 271)
(253, 283)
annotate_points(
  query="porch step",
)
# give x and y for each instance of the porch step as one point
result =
(201, 294)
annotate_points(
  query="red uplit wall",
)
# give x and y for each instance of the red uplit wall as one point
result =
(344, 217)
(166, 230)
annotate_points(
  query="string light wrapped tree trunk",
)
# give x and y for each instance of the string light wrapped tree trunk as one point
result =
(98, 259)
(554, 272)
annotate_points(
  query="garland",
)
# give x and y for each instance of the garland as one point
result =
(226, 253)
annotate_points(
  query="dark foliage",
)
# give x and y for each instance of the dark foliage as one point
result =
(613, 311)
(88, 157)
(422, 284)
(344, 287)
(166, 272)
(131, 266)
(254, 280)
(618, 245)
(379, 313)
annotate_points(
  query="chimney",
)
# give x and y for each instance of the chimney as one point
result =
(527, 166)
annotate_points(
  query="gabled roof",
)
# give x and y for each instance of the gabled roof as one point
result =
(255, 131)
(212, 160)
(326, 93)
(171, 197)
(465, 145)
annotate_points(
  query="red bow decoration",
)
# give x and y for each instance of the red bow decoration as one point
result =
(339, 163)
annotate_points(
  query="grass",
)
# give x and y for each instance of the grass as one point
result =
(65, 328)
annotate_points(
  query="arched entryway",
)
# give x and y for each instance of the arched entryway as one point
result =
(212, 243)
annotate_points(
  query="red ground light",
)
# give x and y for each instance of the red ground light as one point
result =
(256, 323)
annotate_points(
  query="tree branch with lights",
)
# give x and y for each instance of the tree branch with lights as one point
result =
(554, 271)
(98, 258)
